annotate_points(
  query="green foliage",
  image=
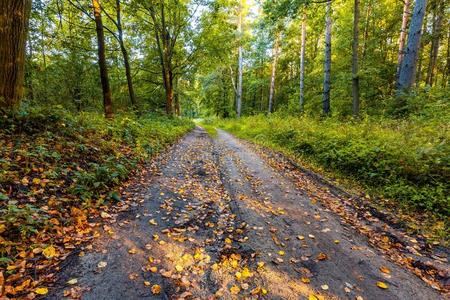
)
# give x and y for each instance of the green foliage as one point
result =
(77, 160)
(404, 160)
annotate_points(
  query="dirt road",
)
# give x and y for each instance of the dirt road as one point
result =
(219, 221)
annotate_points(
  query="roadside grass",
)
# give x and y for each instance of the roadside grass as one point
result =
(403, 162)
(57, 168)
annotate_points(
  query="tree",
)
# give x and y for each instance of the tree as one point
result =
(275, 53)
(403, 33)
(407, 71)
(302, 61)
(14, 16)
(438, 11)
(107, 95)
(240, 63)
(355, 46)
(327, 62)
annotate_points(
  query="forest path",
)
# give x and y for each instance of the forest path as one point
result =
(219, 220)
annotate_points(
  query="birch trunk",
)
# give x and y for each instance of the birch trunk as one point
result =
(274, 68)
(327, 63)
(403, 33)
(107, 96)
(355, 46)
(409, 62)
(302, 62)
(14, 16)
(240, 65)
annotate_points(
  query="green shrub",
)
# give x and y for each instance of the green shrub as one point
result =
(404, 160)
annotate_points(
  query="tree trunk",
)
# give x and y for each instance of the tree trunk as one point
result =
(14, 15)
(445, 76)
(409, 63)
(107, 96)
(327, 64)
(366, 30)
(302, 62)
(274, 68)
(240, 65)
(355, 71)
(436, 35)
(125, 57)
(403, 33)
(420, 54)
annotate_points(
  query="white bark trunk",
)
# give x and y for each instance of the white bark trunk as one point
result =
(327, 64)
(403, 33)
(240, 65)
(302, 62)
(408, 67)
(274, 68)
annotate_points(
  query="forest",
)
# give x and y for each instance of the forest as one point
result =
(235, 149)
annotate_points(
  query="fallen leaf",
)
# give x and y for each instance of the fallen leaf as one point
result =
(305, 280)
(322, 256)
(102, 264)
(382, 285)
(156, 289)
(41, 291)
(132, 251)
(385, 270)
(49, 252)
(72, 281)
(234, 290)
(324, 287)
(152, 222)
(178, 268)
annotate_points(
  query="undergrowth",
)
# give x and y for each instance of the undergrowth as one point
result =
(404, 161)
(52, 160)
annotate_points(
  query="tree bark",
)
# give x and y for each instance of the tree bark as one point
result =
(436, 35)
(14, 15)
(125, 55)
(420, 55)
(355, 71)
(409, 63)
(327, 63)
(107, 96)
(240, 65)
(403, 33)
(302, 62)
(274, 68)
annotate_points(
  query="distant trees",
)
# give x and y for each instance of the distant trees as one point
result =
(14, 16)
(275, 54)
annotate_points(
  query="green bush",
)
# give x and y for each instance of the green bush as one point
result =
(404, 160)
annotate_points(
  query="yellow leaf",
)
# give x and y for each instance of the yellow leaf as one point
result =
(228, 241)
(36, 181)
(147, 283)
(72, 281)
(132, 251)
(337, 241)
(301, 237)
(313, 297)
(238, 275)
(41, 291)
(305, 280)
(2, 228)
(260, 264)
(49, 252)
(178, 268)
(382, 285)
(246, 273)
(156, 289)
(281, 252)
(234, 290)
(153, 269)
(152, 222)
